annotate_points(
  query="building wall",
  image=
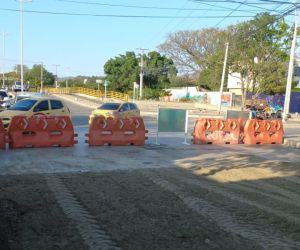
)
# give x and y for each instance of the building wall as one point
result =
(193, 94)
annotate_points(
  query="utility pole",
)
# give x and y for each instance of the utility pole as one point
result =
(21, 40)
(223, 76)
(286, 108)
(142, 67)
(56, 65)
(42, 71)
(67, 77)
(106, 82)
(3, 65)
(134, 88)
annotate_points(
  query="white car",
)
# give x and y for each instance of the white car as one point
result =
(18, 87)
(4, 100)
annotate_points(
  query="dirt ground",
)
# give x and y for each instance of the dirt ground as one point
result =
(233, 201)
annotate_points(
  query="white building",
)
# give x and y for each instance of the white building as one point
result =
(234, 84)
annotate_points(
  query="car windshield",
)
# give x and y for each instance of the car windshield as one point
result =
(21, 97)
(23, 105)
(110, 106)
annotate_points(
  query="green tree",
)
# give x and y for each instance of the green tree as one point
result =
(158, 70)
(33, 76)
(123, 70)
(259, 52)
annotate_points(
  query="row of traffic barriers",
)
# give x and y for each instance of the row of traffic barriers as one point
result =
(58, 131)
(237, 131)
(116, 131)
(50, 131)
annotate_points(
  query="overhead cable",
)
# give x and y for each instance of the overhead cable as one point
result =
(120, 16)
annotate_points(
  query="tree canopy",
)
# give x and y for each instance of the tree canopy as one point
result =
(33, 75)
(259, 53)
(123, 70)
(258, 50)
(200, 53)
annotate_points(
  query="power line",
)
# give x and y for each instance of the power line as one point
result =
(230, 13)
(239, 9)
(145, 7)
(262, 2)
(258, 5)
(169, 22)
(121, 16)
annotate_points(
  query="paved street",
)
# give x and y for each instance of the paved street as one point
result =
(167, 196)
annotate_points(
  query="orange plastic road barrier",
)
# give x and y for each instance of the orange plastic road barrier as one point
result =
(41, 131)
(217, 131)
(116, 131)
(263, 132)
(3, 136)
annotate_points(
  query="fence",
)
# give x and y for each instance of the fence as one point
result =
(87, 91)
(279, 100)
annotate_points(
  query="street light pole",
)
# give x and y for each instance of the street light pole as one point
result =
(142, 76)
(286, 108)
(21, 34)
(67, 83)
(105, 86)
(42, 72)
(223, 77)
(21, 40)
(134, 87)
(3, 80)
(142, 72)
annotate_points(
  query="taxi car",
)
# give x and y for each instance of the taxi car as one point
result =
(115, 109)
(34, 106)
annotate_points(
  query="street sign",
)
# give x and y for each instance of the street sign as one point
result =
(171, 120)
(105, 84)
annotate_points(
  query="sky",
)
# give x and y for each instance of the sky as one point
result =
(77, 37)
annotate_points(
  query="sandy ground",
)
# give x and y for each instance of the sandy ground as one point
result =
(153, 197)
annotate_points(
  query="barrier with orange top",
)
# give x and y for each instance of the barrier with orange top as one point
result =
(41, 131)
(3, 135)
(263, 132)
(116, 131)
(217, 131)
